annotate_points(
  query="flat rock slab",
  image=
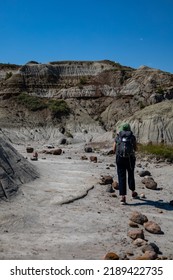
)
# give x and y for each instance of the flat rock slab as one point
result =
(61, 181)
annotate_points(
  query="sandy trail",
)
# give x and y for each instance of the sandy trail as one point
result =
(67, 214)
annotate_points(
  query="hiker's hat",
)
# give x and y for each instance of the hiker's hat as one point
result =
(125, 127)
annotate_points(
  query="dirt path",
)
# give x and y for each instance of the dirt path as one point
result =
(67, 214)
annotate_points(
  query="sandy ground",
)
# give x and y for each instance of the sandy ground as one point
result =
(67, 214)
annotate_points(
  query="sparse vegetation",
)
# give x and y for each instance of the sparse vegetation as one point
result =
(160, 90)
(8, 75)
(159, 150)
(58, 108)
(33, 103)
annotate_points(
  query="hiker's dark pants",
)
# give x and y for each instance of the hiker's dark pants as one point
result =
(125, 165)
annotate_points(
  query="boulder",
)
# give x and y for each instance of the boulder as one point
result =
(152, 227)
(138, 218)
(134, 234)
(149, 183)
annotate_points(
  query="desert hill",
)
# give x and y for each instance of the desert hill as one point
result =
(95, 94)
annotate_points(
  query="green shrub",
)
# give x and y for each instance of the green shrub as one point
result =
(58, 108)
(160, 90)
(8, 75)
(159, 150)
(33, 103)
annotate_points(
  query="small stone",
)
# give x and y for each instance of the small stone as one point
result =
(134, 234)
(138, 218)
(148, 255)
(111, 256)
(88, 149)
(144, 173)
(93, 159)
(139, 242)
(115, 185)
(133, 224)
(106, 180)
(142, 195)
(151, 247)
(113, 195)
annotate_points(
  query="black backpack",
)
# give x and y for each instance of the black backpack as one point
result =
(125, 142)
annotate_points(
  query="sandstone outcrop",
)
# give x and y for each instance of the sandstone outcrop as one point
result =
(15, 170)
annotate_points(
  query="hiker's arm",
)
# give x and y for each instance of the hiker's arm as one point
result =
(114, 147)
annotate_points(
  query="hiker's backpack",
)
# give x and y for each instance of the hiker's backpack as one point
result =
(125, 142)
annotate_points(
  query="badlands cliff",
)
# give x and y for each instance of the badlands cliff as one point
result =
(99, 95)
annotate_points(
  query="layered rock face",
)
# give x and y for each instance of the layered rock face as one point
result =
(154, 123)
(99, 93)
(14, 169)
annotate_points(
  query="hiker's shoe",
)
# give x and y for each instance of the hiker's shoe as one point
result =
(135, 195)
(123, 200)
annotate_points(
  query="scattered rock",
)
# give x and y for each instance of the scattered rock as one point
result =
(88, 149)
(115, 185)
(149, 183)
(34, 156)
(138, 218)
(152, 227)
(111, 256)
(84, 158)
(139, 242)
(151, 247)
(114, 194)
(63, 141)
(129, 253)
(134, 234)
(106, 180)
(29, 149)
(144, 173)
(57, 151)
(133, 224)
(148, 255)
(93, 159)
(53, 151)
(49, 146)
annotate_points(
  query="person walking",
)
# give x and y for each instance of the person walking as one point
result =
(125, 146)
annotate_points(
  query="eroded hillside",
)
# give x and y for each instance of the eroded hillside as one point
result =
(98, 94)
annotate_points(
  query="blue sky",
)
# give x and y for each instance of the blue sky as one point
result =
(131, 32)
